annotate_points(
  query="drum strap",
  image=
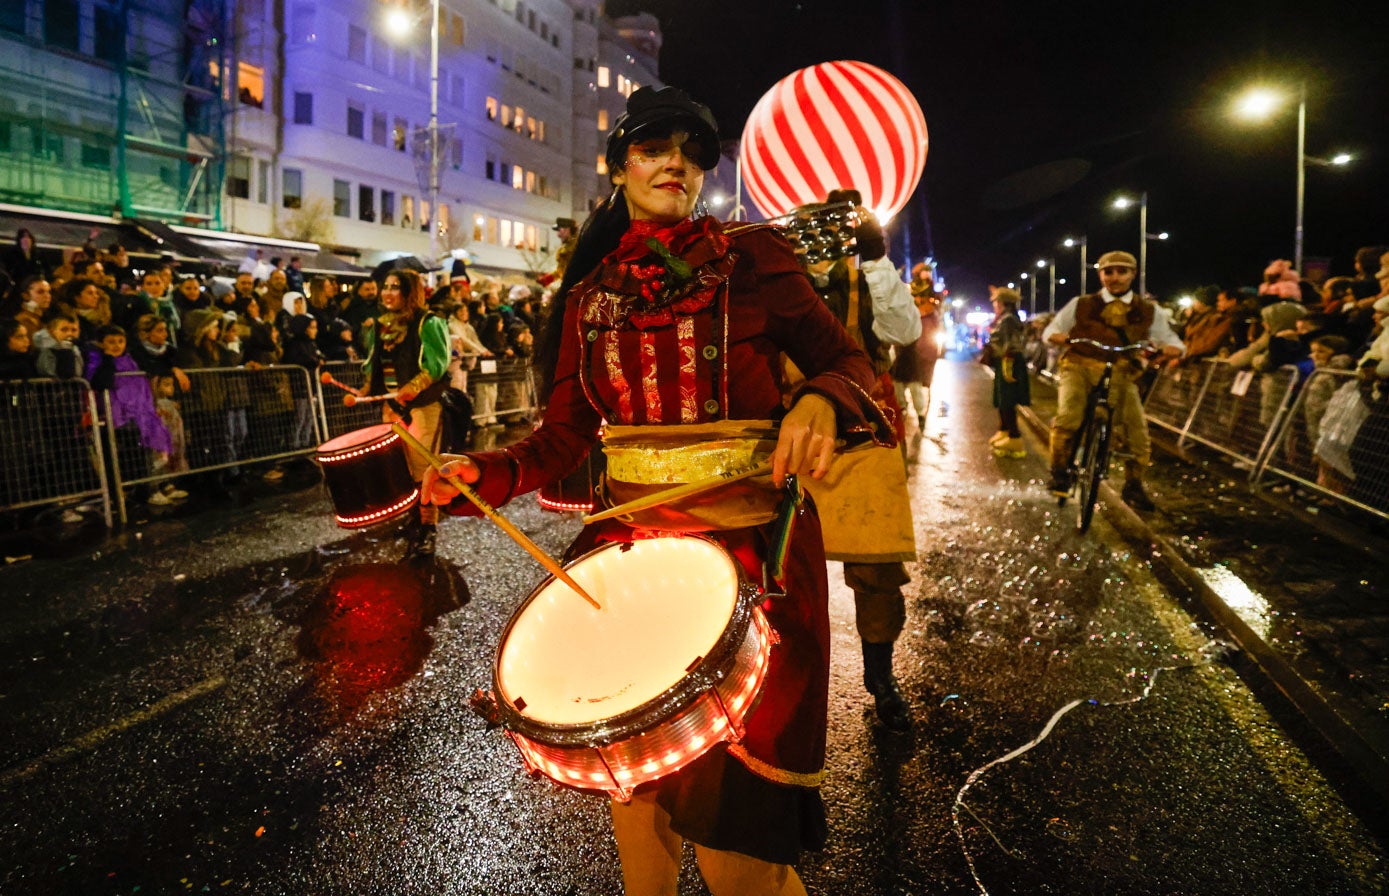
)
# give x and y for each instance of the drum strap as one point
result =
(779, 545)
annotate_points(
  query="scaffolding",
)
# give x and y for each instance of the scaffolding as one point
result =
(115, 107)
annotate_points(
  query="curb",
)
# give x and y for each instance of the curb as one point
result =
(1364, 759)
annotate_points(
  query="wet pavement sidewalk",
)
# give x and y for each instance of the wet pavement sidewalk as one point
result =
(1303, 590)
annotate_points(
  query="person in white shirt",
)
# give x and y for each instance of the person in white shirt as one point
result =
(1113, 316)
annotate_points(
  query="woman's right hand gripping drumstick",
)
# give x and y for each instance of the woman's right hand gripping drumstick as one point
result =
(437, 490)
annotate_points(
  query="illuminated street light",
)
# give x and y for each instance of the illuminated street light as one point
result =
(1124, 202)
(1071, 243)
(1050, 264)
(1260, 103)
(401, 23)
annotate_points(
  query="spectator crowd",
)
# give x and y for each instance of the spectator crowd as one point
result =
(99, 314)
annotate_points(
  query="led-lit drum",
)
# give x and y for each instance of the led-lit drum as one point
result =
(368, 476)
(673, 663)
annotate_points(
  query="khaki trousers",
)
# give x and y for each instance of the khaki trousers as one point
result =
(1077, 377)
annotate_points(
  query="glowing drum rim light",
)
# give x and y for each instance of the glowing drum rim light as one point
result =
(368, 476)
(669, 668)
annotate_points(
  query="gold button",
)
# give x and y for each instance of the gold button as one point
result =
(592, 336)
(711, 406)
(710, 352)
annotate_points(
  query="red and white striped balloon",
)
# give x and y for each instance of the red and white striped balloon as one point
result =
(831, 126)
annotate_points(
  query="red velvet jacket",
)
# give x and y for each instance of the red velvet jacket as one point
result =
(710, 353)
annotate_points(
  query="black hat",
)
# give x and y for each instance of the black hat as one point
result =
(565, 222)
(844, 195)
(657, 112)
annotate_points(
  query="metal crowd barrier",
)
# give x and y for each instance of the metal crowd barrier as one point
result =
(502, 390)
(1336, 441)
(1236, 412)
(50, 451)
(55, 447)
(1329, 433)
(230, 417)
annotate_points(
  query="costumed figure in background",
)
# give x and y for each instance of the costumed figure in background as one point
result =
(916, 364)
(863, 502)
(566, 230)
(1012, 386)
(666, 346)
(408, 354)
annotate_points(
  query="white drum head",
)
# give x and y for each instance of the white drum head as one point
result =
(666, 602)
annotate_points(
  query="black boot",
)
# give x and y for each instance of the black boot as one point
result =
(887, 696)
(419, 542)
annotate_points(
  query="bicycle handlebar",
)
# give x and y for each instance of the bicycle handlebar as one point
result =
(1108, 349)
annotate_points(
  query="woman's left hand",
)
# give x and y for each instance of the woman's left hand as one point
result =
(805, 443)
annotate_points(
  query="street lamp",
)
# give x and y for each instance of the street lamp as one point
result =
(1032, 283)
(1124, 202)
(1071, 243)
(1050, 264)
(400, 22)
(1259, 103)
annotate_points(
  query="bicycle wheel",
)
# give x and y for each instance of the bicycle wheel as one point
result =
(1094, 463)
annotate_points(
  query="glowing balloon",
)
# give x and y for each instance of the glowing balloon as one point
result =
(831, 126)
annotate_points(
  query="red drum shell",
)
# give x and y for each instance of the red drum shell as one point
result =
(368, 476)
(663, 725)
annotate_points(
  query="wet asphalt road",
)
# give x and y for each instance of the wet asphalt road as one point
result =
(254, 701)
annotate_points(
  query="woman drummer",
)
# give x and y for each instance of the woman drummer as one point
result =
(669, 321)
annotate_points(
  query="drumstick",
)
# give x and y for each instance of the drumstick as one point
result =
(327, 379)
(550, 563)
(677, 492)
(352, 399)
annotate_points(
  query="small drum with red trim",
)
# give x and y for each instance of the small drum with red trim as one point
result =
(671, 666)
(368, 476)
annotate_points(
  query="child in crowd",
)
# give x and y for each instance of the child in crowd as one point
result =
(58, 354)
(133, 418)
(16, 351)
(302, 350)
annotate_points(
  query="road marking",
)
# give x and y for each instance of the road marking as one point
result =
(94, 738)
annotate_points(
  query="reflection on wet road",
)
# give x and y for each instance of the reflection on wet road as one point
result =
(1074, 731)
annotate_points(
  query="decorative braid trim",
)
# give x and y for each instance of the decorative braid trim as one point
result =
(772, 773)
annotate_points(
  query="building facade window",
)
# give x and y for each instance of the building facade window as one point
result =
(292, 187)
(342, 198)
(366, 202)
(303, 108)
(239, 177)
(388, 207)
(398, 134)
(262, 181)
(356, 44)
(604, 78)
(60, 20)
(379, 128)
(356, 121)
(407, 211)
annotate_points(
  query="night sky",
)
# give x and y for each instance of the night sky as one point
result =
(1135, 96)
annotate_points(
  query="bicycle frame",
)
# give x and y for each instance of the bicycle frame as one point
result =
(1089, 454)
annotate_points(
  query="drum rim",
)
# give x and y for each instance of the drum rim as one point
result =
(712, 668)
(383, 433)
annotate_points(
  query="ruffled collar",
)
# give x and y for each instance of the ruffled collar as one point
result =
(659, 271)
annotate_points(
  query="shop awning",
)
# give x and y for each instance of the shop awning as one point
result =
(233, 248)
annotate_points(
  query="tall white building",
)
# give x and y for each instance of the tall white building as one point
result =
(331, 134)
(302, 122)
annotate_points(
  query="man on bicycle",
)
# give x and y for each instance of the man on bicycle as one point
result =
(1114, 316)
